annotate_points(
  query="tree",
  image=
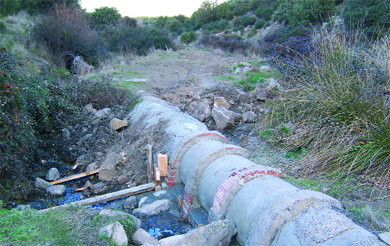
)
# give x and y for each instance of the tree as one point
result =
(104, 16)
(224, 11)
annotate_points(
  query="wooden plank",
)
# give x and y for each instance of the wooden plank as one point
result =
(162, 164)
(80, 189)
(108, 197)
(73, 177)
(116, 195)
(149, 167)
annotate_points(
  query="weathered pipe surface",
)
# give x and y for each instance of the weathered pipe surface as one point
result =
(265, 209)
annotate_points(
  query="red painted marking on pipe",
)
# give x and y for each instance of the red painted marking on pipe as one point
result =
(240, 174)
(171, 184)
(171, 179)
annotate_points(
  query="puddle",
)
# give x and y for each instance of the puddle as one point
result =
(165, 225)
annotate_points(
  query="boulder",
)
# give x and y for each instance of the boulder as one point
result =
(116, 233)
(217, 233)
(120, 215)
(92, 166)
(221, 102)
(53, 174)
(249, 117)
(89, 109)
(224, 118)
(42, 184)
(258, 95)
(153, 208)
(117, 124)
(99, 188)
(141, 237)
(56, 190)
(385, 237)
(130, 203)
(65, 133)
(200, 109)
(102, 113)
(107, 169)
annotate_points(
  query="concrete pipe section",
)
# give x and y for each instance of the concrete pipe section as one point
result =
(220, 180)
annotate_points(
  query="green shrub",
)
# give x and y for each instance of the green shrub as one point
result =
(8, 7)
(45, 6)
(252, 32)
(138, 40)
(205, 14)
(175, 26)
(188, 37)
(66, 34)
(104, 16)
(129, 22)
(224, 11)
(372, 15)
(260, 23)
(222, 24)
(241, 7)
(264, 13)
(304, 12)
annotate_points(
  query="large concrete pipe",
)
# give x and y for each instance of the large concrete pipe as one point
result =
(218, 177)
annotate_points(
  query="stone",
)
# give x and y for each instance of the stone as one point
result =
(218, 233)
(223, 118)
(258, 94)
(99, 188)
(249, 117)
(116, 233)
(385, 237)
(107, 169)
(53, 174)
(141, 237)
(122, 157)
(124, 178)
(221, 102)
(117, 124)
(272, 84)
(84, 138)
(142, 201)
(153, 208)
(200, 109)
(102, 113)
(159, 193)
(92, 166)
(56, 190)
(120, 215)
(42, 184)
(130, 203)
(89, 109)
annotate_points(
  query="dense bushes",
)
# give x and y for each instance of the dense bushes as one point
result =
(138, 40)
(8, 7)
(230, 43)
(372, 15)
(104, 16)
(188, 37)
(304, 12)
(66, 34)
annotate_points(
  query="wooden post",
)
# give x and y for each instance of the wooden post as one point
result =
(149, 167)
(162, 164)
(157, 175)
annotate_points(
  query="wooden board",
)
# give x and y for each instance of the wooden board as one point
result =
(162, 164)
(73, 177)
(157, 175)
(108, 197)
(149, 167)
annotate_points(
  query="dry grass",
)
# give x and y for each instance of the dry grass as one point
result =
(340, 101)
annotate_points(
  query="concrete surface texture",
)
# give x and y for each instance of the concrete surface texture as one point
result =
(265, 209)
